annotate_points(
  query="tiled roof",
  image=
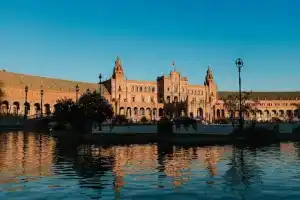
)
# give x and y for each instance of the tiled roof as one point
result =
(266, 95)
(35, 82)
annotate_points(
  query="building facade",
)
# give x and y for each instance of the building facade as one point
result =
(170, 94)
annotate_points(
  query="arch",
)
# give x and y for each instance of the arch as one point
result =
(37, 108)
(222, 112)
(218, 113)
(122, 111)
(252, 114)
(160, 112)
(274, 113)
(148, 112)
(136, 88)
(266, 114)
(296, 112)
(289, 113)
(259, 114)
(47, 109)
(200, 112)
(135, 111)
(154, 113)
(142, 111)
(16, 107)
(168, 99)
(141, 89)
(128, 112)
(5, 107)
(281, 113)
(175, 99)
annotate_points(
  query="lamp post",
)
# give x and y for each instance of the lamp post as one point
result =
(26, 103)
(100, 77)
(77, 90)
(42, 94)
(239, 63)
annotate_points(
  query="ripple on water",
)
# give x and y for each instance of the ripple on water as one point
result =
(38, 167)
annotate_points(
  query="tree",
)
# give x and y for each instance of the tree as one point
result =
(90, 107)
(96, 107)
(232, 102)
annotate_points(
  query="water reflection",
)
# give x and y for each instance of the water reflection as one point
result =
(30, 162)
(25, 155)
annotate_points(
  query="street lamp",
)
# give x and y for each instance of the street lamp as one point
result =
(42, 94)
(26, 103)
(100, 77)
(77, 90)
(239, 63)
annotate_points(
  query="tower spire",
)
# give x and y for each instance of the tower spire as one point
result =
(173, 66)
(118, 68)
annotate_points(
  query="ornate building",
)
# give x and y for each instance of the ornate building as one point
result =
(168, 94)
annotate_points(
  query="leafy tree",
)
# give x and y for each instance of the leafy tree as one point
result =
(232, 102)
(89, 108)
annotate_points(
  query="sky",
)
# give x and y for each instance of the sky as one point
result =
(77, 40)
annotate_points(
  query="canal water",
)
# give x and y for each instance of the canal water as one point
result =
(36, 166)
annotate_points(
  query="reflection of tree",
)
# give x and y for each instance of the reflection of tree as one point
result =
(163, 150)
(243, 169)
(90, 167)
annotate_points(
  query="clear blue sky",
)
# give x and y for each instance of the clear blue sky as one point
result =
(76, 40)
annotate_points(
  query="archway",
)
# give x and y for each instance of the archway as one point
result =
(26, 108)
(281, 113)
(142, 111)
(37, 108)
(122, 111)
(160, 112)
(5, 107)
(176, 99)
(266, 114)
(135, 111)
(200, 112)
(148, 113)
(168, 99)
(274, 113)
(289, 113)
(16, 108)
(154, 113)
(218, 114)
(223, 113)
(128, 112)
(47, 109)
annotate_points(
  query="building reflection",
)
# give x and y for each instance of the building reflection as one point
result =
(170, 162)
(25, 155)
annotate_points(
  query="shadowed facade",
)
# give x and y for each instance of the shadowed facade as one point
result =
(170, 94)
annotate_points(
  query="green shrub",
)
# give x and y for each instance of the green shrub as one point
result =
(144, 119)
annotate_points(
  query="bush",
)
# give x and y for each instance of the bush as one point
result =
(144, 119)
(223, 121)
(122, 119)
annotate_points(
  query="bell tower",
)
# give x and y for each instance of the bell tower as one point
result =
(118, 85)
(118, 72)
(210, 94)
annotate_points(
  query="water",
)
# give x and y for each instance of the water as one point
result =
(39, 167)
